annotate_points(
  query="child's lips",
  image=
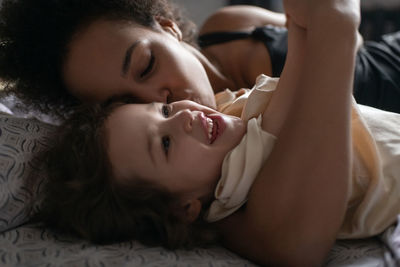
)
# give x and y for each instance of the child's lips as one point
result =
(214, 125)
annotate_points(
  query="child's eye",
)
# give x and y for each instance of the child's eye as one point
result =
(165, 143)
(165, 111)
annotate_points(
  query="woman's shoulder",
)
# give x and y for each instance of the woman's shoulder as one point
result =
(241, 17)
(234, 58)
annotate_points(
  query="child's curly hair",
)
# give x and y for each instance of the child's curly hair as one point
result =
(82, 198)
(35, 35)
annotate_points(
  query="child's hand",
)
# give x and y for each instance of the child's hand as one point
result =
(306, 13)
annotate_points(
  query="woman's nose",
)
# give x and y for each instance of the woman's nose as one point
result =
(154, 92)
(161, 95)
(165, 95)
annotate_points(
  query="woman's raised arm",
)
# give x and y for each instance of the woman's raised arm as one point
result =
(297, 203)
(239, 17)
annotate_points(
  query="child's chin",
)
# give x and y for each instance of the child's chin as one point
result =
(236, 128)
(236, 123)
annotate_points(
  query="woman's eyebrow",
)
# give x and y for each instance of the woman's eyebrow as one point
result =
(127, 59)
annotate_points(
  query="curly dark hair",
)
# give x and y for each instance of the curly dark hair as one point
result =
(81, 196)
(35, 35)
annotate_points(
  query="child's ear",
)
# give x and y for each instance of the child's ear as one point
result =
(192, 208)
(170, 27)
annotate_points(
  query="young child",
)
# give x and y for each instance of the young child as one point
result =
(191, 153)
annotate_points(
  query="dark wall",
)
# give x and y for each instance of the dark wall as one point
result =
(275, 5)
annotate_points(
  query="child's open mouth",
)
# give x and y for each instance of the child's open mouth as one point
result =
(212, 129)
(214, 125)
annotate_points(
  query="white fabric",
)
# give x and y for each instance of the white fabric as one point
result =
(241, 166)
(374, 195)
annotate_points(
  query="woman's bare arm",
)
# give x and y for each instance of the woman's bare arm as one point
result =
(297, 203)
(234, 57)
(241, 17)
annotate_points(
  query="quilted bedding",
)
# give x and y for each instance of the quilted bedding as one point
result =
(30, 246)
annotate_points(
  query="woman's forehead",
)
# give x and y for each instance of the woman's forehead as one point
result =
(118, 26)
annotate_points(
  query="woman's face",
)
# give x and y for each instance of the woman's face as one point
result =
(179, 146)
(114, 58)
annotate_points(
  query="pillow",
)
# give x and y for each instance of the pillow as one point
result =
(20, 140)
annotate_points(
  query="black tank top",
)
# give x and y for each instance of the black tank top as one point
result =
(274, 39)
(377, 72)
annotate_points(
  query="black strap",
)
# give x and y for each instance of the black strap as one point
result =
(274, 38)
(221, 37)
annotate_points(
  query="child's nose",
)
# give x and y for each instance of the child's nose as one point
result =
(185, 118)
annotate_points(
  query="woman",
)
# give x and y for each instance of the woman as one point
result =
(93, 51)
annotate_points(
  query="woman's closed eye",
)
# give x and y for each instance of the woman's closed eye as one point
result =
(165, 141)
(149, 67)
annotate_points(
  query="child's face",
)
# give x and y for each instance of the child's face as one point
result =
(170, 145)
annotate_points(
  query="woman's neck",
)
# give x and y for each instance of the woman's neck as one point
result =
(219, 81)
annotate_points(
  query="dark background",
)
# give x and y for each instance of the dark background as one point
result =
(378, 17)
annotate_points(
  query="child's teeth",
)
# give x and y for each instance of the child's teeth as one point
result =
(210, 127)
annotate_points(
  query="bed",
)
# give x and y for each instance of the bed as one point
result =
(22, 243)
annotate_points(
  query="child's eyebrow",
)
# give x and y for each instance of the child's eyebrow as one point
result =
(150, 145)
(151, 106)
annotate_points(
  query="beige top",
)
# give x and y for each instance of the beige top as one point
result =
(374, 190)
(248, 157)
